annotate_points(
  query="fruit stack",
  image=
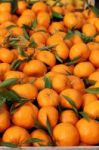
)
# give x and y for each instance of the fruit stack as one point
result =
(49, 74)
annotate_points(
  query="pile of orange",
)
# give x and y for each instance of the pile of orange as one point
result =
(49, 76)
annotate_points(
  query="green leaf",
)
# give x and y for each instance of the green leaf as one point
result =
(68, 73)
(84, 115)
(49, 128)
(2, 100)
(22, 52)
(33, 44)
(71, 102)
(32, 140)
(89, 82)
(48, 83)
(13, 108)
(8, 82)
(26, 35)
(11, 26)
(37, 125)
(41, 30)
(9, 144)
(47, 47)
(34, 25)
(92, 90)
(59, 59)
(95, 10)
(73, 61)
(14, 4)
(26, 27)
(69, 34)
(56, 15)
(16, 63)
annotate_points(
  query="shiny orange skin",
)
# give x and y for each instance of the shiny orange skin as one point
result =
(22, 5)
(43, 18)
(60, 82)
(87, 71)
(26, 121)
(88, 98)
(46, 94)
(56, 26)
(41, 134)
(94, 58)
(89, 131)
(27, 90)
(89, 29)
(94, 76)
(80, 50)
(92, 109)
(16, 135)
(4, 119)
(14, 74)
(6, 56)
(75, 95)
(35, 67)
(62, 136)
(4, 17)
(47, 58)
(39, 6)
(5, 7)
(50, 112)
(68, 116)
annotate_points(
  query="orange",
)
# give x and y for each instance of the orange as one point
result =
(28, 12)
(84, 69)
(39, 6)
(60, 82)
(4, 17)
(68, 116)
(76, 39)
(61, 68)
(14, 18)
(25, 116)
(97, 24)
(72, 20)
(76, 83)
(80, 50)
(14, 74)
(55, 38)
(51, 113)
(75, 95)
(89, 131)
(62, 50)
(6, 56)
(22, 5)
(17, 31)
(92, 109)
(27, 90)
(24, 19)
(94, 76)
(42, 135)
(94, 58)
(89, 29)
(16, 135)
(58, 9)
(88, 98)
(93, 46)
(47, 58)
(3, 32)
(4, 67)
(55, 27)
(43, 19)
(48, 97)
(5, 7)
(65, 134)
(39, 38)
(4, 119)
(39, 83)
(97, 38)
(35, 68)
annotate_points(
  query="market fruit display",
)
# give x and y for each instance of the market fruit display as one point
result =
(49, 73)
